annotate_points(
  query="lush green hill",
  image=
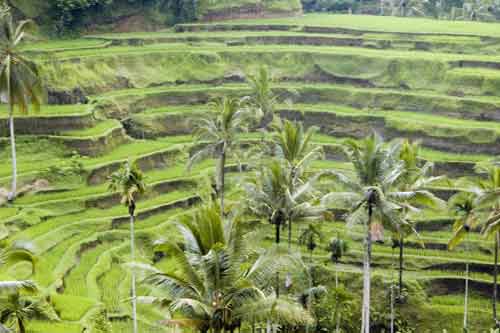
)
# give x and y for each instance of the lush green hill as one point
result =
(74, 16)
(120, 96)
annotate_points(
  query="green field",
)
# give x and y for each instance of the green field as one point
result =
(436, 82)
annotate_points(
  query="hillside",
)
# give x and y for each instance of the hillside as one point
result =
(69, 17)
(119, 96)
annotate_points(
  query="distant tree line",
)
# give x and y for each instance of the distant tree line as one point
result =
(60, 17)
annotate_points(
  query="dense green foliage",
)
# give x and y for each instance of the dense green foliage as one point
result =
(146, 92)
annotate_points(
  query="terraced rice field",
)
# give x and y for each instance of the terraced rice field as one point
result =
(128, 96)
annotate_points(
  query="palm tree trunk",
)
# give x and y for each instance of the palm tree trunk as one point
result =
(392, 288)
(392, 307)
(365, 327)
(495, 280)
(20, 324)
(13, 190)
(401, 245)
(132, 255)
(222, 179)
(309, 297)
(290, 236)
(278, 226)
(337, 312)
(466, 300)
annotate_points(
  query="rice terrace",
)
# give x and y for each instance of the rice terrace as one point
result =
(210, 166)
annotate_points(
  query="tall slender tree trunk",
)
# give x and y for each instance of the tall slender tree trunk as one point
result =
(132, 255)
(278, 227)
(392, 290)
(13, 190)
(466, 299)
(337, 312)
(401, 248)
(495, 280)
(290, 236)
(222, 166)
(309, 296)
(365, 327)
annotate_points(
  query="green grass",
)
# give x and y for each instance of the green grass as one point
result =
(183, 48)
(36, 155)
(36, 326)
(437, 126)
(432, 101)
(204, 35)
(385, 24)
(102, 128)
(61, 226)
(47, 110)
(63, 45)
(71, 308)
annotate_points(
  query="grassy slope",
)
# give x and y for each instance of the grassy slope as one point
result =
(386, 24)
(61, 225)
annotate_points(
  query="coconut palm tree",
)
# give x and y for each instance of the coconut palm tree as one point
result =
(463, 206)
(217, 283)
(337, 248)
(309, 237)
(262, 97)
(129, 181)
(377, 168)
(20, 82)
(270, 197)
(17, 310)
(217, 132)
(412, 194)
(293, 145)
(11, 254)
(488, 202)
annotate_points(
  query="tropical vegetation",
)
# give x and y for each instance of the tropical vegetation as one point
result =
(370, 141)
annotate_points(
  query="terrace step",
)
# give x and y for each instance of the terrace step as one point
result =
(311, 36)
(155, 160)
(109, 200)
(94, 141)
(438, 136)
(481, 109)
(472, 137)
(214, 27)
(182, 203)
(56, 121)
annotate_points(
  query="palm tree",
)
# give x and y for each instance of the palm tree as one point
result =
(129, 181)
(376, 170)
(216, 284)
(337, 248)
(293, 145)
(488, 201)
(218, 132)
(262, 97)
(20, 81)
(270, 197)
(310, 237)
(11, 254)
(16, 310)
(411, 192)
(463, 206)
